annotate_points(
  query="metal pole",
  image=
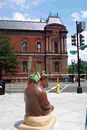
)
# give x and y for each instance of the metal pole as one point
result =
(78, 55)
(79, 89)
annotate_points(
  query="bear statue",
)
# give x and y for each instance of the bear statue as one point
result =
(37, 107)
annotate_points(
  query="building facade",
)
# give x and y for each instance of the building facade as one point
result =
(40, 46)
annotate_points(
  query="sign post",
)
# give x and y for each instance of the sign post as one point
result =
(80, 26)
(77, 40)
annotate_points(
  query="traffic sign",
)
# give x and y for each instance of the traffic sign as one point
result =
(73, 52)
(83, 47)
(2, 57)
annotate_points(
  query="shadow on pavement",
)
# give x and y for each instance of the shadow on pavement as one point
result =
(17, 123)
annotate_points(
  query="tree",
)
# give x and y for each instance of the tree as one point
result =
(73, 67)
(83, 68)
(8, 62)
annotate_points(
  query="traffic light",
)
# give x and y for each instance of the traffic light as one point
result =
(81, 39)
(81, 26)
(73, 40)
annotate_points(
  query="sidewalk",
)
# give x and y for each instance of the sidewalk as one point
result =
(70, 110)
(86, 121)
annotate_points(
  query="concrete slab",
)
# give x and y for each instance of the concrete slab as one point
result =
(70, 110)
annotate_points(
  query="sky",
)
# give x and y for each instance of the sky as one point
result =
(69, 12)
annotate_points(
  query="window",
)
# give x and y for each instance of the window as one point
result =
(25, 46)
(25, 66)
(38, 47)
(56, 66)
(39, 66)
(55, 47)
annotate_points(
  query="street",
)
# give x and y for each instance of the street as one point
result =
(20, 87)
(64, 87)
(72, 87)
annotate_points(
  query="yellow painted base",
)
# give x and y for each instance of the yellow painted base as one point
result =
(49, 126)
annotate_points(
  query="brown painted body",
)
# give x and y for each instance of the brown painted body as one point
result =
(36, 101)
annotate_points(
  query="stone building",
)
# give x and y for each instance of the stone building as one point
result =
(40, 46)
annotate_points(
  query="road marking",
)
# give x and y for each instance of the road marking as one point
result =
(64, 87)
(55, 87)
(51, 89)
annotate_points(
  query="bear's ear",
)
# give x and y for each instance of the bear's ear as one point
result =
(43, 74)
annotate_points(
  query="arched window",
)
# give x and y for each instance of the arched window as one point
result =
(56, 66)
(25, 46)
(38, 47)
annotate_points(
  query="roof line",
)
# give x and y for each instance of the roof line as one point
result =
(22, 21)
(55, 17)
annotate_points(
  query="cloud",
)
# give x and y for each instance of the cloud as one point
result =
(14, 3)
(85, 35)
(4, 18)
(79, 15)
(2, 3)
(76, 16)
(37, 2)
(19, 16)
(83, 54)
(23, 17)
(84, 14)
(21, 3)
(25, 3)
